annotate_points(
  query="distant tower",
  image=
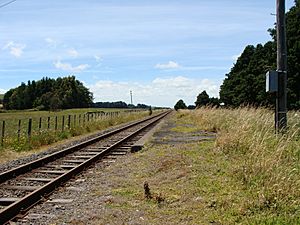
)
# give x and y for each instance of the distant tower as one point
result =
(131, 98)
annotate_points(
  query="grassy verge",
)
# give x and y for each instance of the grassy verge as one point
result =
(247, 176)
(265, 164)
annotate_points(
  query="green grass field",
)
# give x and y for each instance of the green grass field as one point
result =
(49, 127)
(77, 116)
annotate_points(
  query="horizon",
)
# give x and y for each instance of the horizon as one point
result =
(162, 51)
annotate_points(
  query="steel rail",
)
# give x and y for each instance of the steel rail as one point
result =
(34, 197)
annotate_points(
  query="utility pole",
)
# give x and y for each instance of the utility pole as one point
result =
(131, 98)
(281, 95)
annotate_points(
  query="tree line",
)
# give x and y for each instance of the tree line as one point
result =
(245, 83)
(53, 94)
(119, 104)
(49, 94)
(203, 99)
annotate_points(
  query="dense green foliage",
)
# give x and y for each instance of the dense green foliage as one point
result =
(119, 105)
(180, 105)
(47, 93)
(245, 83)
(203, 99)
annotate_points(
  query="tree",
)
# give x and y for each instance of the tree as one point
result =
(180, 105)
(202, 99)
(47, 93)
(191, 107)
(245, 83)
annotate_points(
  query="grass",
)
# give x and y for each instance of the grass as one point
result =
(12, 118)
(266, 165)
(248, 175)
(14, 147)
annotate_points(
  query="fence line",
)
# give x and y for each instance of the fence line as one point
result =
(36, 126)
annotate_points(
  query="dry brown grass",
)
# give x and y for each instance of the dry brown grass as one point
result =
(266, 163)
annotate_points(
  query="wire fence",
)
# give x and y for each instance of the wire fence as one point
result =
(21, 129)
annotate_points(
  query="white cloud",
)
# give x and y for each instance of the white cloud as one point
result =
(15, 49)
(98, 58)
(70, 68)
(51, 42)
(72, 52)
(2, 91)
(169, 65)
(158, 92)
(175, 65)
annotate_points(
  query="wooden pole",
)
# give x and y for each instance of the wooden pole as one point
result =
(2, 133)
(63, 123)
(55, 123)
(281, 98)
(29, 130)
(19, 130)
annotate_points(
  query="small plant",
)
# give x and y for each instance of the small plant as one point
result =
(147, 192)
(158, 198)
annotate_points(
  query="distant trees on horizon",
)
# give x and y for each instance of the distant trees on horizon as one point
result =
(119, 104)
(54, 94)
(49, 94)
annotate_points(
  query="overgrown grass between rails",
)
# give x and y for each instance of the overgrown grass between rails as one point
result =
(268, 165)
(13, 146)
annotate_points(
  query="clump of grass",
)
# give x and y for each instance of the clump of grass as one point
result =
(266, 163)
(157, 198)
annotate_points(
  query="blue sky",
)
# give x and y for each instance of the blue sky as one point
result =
(162, 50)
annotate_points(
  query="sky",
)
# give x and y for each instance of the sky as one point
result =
(161, 50)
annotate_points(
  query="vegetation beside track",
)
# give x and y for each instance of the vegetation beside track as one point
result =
(263, 164)
(248, 175)
(13, 148)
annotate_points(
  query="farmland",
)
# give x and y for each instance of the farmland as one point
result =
(25, 130)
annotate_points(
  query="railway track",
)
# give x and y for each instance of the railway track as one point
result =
(23, 187)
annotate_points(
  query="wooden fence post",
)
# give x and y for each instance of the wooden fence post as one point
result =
(29, 129)
(74, 120)
(19, 130)
(2, 133)
(69, 121)
(40, 124)
(63, 123)
(48, 125)
(55, 123)
(79, 119)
